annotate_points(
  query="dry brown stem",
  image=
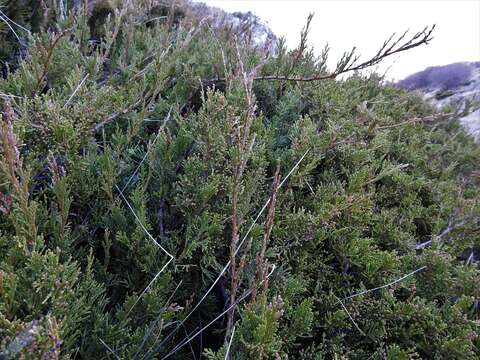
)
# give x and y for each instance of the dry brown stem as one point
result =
(262, 265)
(244, 145)
(350, 60)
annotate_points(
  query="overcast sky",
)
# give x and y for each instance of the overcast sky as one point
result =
(366, 24)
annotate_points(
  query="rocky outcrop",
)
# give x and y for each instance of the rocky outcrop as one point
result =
(456, 84)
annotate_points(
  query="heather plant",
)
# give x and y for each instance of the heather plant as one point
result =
(173, 187)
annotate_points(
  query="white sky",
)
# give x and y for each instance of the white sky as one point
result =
(367, 23)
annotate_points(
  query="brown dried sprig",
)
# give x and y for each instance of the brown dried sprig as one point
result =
(350, 60)
(244, 144)
(262, 264)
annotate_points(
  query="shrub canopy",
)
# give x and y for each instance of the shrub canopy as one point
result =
(160, 200)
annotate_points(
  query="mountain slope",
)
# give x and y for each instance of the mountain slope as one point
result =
(455, 86)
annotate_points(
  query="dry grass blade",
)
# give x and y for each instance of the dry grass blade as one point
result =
(171, 257)
(6, 21)
(149, 331)
(141, 224)
(386, 285)
(149, 285)
(110, 350)
(156, 243)
(115, 115)
(350, 316)
(76, 90)
(148, 151)
(6, 18)
(230, 344)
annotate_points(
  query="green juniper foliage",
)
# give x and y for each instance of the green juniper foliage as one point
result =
(141, 142)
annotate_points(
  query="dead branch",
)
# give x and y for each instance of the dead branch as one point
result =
(350, 60)
(244, 143)
(242, 139)
(267, 230)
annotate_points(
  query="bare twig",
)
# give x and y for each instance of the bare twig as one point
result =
(451, 226)
(48, 58)
(349, 61)
(302, 46)
(143, 99)
(242, 140)
(411, 121)
(260, 258)
(425, 119)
